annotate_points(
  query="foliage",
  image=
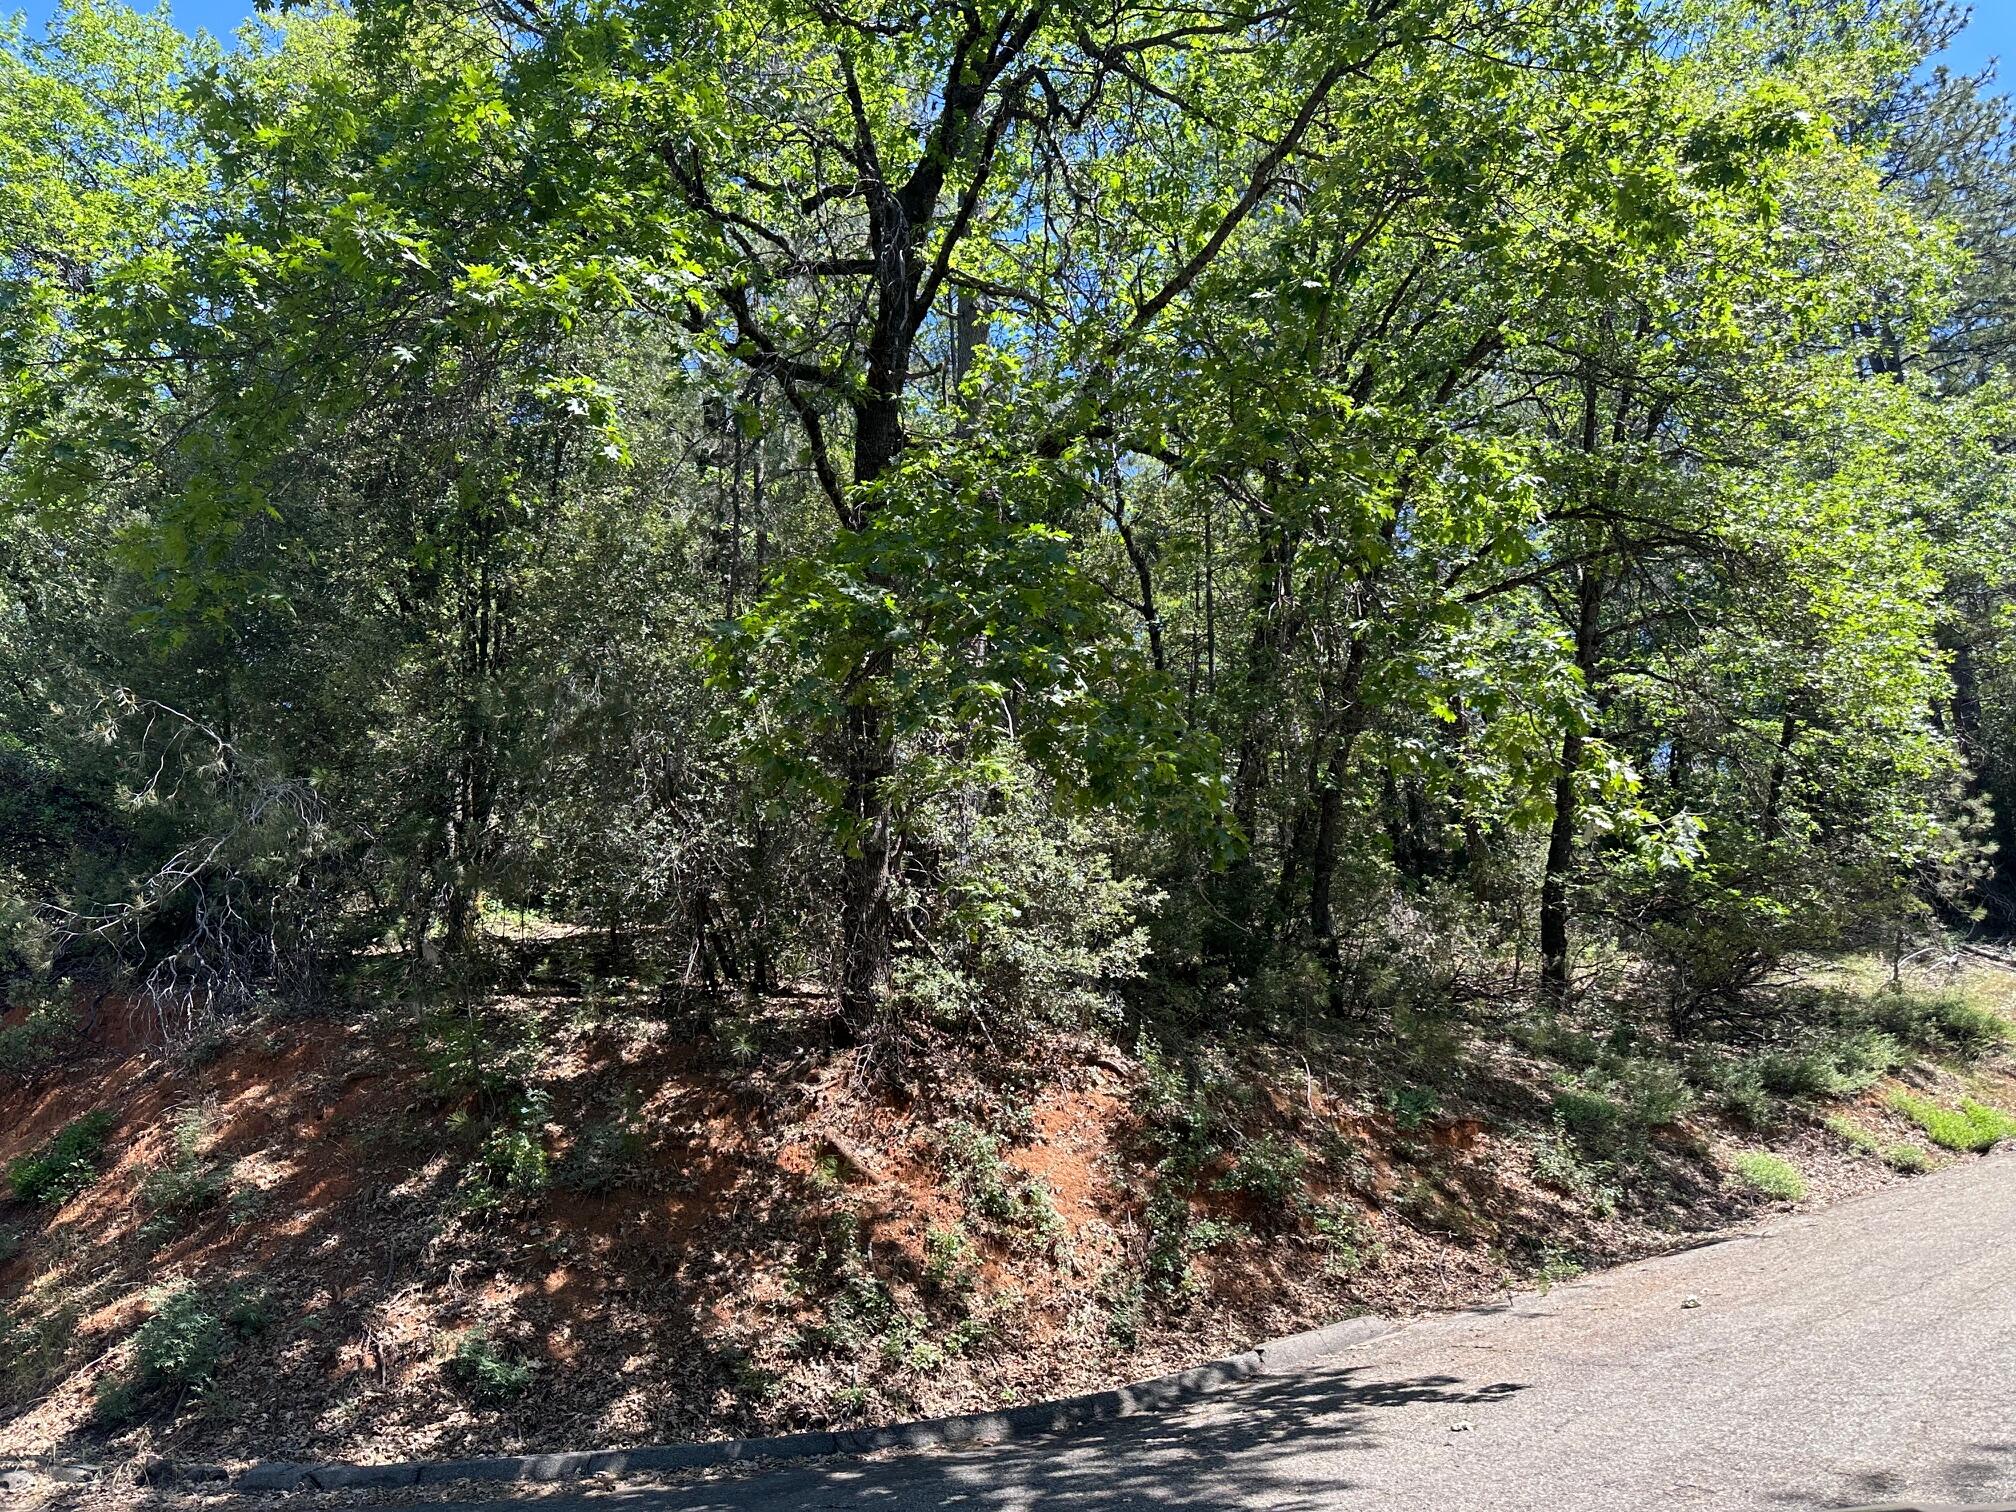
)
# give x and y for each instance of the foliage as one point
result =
(948, 1259)
(187, 1183)
(46, 1030)
(181, 1348)
(183, 1341)
(1770, 1174)
(65, 1164)
(1853, 1134)
(1026, 925)
(1348, 1244)
(604, 1154)
(996, 1194)
(1908, 1159)
(1971, 1126)
(1951, 1018)
(1613, 1107)
(1269, 1171)
(977, 540)
(490, 1376)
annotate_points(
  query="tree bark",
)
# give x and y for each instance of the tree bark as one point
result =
(1554, 905)
(868, 761)
(1323, 852)
(1774, 792)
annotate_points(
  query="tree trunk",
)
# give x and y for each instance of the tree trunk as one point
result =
(868, 761)
(1328, 842)
(1554, 908)
(1781, 758)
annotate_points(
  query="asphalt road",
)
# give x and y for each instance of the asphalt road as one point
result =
(1859, 1355)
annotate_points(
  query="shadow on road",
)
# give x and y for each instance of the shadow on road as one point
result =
(1981, 1473)
(1256, 1446)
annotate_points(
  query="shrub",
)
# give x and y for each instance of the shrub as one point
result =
(995, 1193)
(1907, 1158)
(1557, 1162)
(510, 1163)
(182, 1344)
(1972, 1126)
(1269, 1170)
(1031, 923)
(488, 1375)
(1556, 1041)
(1796, 1073)
(1347, 1240)
(115, 1401)
(45, 1034)
(67, 1164)
(1207, 1234)
(187, 1184)
(1771, 1175)
(1740, 1092)
(1951, 1018)
(1412, 1107)
(1613, 1107)
(947, 1259)
(1832, 1066)
(973, 1157)
(491, 1060)
(1654, 1094)
(1595, 1121)
(1179, 1102)
(1556, 1266)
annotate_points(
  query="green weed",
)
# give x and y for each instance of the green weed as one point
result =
(1348, 1245)
(67, 1164)
(487, 1374)
(1558, 1162)
(1908, 1159)
(186, 1184)
(1853, 1134)
(1411, 1107)
(46, 1033)
(1972, 1126)
(182, 1343)
(1556, 1266)
(605, 1154)
(948, 1259)
(1771, 1175)
(996, 1194)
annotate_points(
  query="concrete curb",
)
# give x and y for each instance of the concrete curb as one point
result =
(1066, 1413)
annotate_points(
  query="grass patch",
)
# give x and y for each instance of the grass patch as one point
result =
(1771, 1175)
(1908, 1159)
(67, 1164)
(1972, 1126)
(1853, 1134)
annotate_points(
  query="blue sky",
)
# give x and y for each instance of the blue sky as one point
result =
(1992, 32)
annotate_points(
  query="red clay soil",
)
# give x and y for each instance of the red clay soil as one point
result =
(781, 1245)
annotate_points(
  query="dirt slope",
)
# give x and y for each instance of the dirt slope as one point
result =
(680, 1235)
